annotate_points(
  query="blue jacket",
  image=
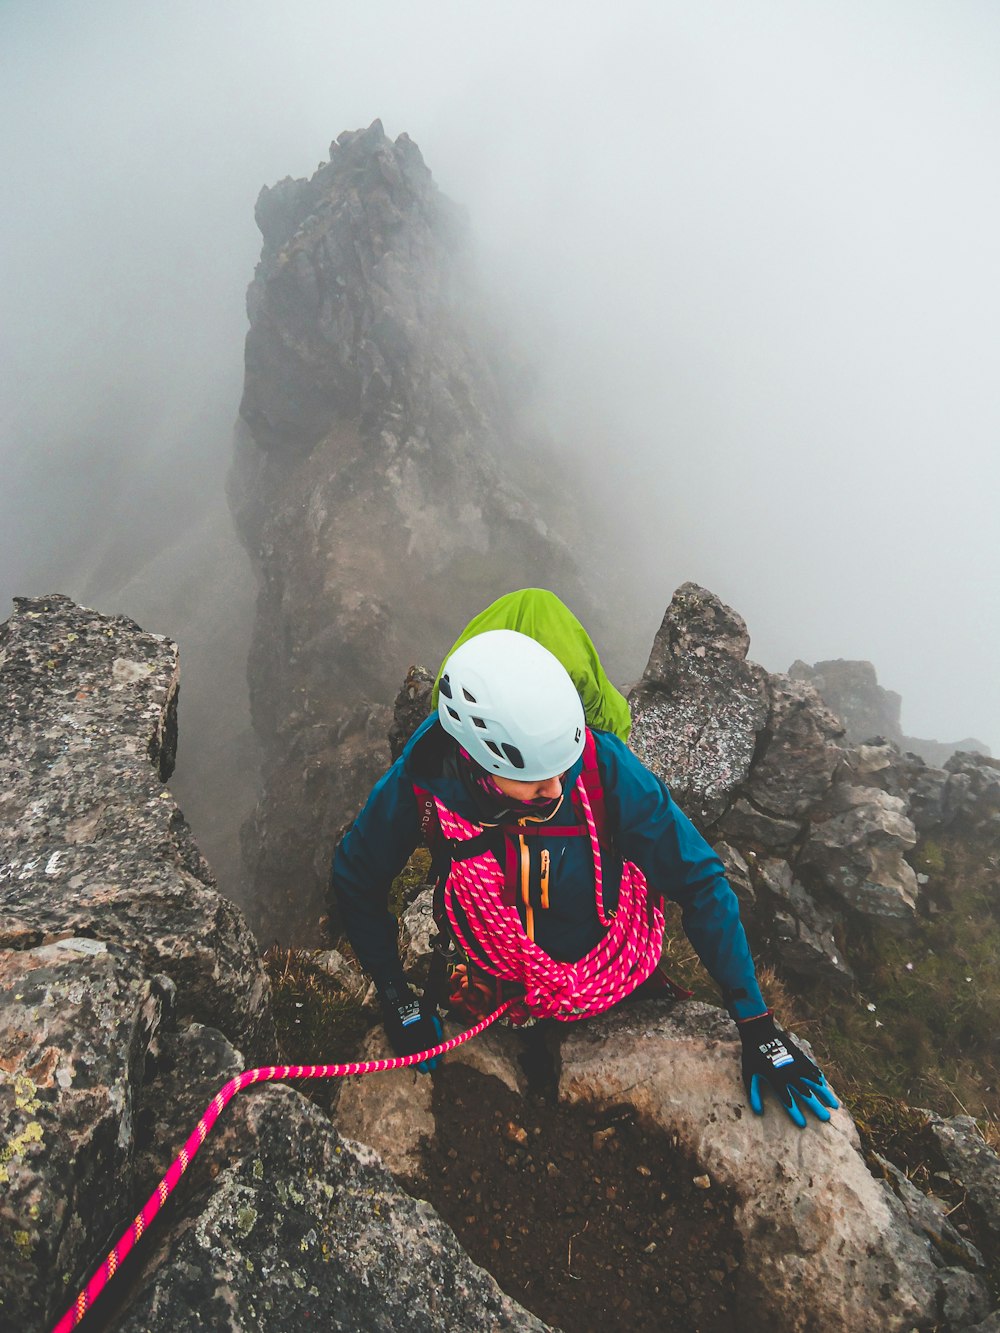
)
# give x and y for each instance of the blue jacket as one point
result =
(647, 828)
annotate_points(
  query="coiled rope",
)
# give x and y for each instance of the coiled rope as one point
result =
(625, 956)
(216, 1106)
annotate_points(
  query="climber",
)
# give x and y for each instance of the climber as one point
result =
(552, 846)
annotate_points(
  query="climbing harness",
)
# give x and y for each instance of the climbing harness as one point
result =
(216, 1106)
(487, 927)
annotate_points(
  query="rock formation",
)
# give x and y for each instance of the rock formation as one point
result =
(823, 827)
(121, 964)
(381, 486)
(825, 1244)
(868, 711)
(128, 989)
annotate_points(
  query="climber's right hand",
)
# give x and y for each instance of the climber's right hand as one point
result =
(411, 1024)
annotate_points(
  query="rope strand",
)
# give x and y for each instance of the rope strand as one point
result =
(201, 1131)
(485, 926)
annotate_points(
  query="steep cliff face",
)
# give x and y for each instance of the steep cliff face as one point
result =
(381, 487)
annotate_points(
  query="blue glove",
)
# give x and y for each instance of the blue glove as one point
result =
(772, 1059)
(411, 1024)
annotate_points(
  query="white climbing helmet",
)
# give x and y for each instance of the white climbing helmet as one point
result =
(511, 705)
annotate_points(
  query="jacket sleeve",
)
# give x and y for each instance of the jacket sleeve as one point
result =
(368, 858)
(678, 862)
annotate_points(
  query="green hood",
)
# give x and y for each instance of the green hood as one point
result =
(543, 617)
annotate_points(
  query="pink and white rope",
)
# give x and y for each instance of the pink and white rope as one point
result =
(622, 960)
(216, 1106)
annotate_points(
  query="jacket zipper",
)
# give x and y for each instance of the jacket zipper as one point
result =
(529, 915)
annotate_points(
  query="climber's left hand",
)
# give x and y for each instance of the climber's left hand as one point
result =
(772, 1059)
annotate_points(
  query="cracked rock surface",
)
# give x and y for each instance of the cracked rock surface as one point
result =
(92, 842)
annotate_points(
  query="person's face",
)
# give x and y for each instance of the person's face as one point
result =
(548, 789)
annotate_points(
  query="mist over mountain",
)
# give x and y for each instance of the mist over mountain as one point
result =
(747, 253)
(387, 486)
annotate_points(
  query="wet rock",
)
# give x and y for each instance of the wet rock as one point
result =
(991, 1324)
(347, 975)
(75, 1021)
(826, 1245)
(393, 1112)
(700, 706)
(929, 793)
(740, 877)
(850, 689)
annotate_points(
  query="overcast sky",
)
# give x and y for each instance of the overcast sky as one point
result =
(756, 242)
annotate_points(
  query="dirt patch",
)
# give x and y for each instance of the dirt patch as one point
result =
(592, 1221)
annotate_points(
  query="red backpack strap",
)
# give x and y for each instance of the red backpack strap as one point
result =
(594, 788)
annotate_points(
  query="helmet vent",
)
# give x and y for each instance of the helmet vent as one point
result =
(478, 721)
(455, 715)
(492, 745)
(471, 697)
(514, 755)
(445, 687)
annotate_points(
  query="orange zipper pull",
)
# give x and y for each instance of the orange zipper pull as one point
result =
(545, 877)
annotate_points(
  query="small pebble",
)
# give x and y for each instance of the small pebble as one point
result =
(702, 1182)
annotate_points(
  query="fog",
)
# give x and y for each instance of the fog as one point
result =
(752, 247)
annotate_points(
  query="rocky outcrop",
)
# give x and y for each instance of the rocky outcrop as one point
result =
(824, 829)
(760, 763)
(381, 485)
(826, 1245)
(700, 706)
(851, 690)
(92, 844)
(119, 964)
(107, 913)
(868, 711)
(976, 1168)
(295, 1226)
(75, 1021)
